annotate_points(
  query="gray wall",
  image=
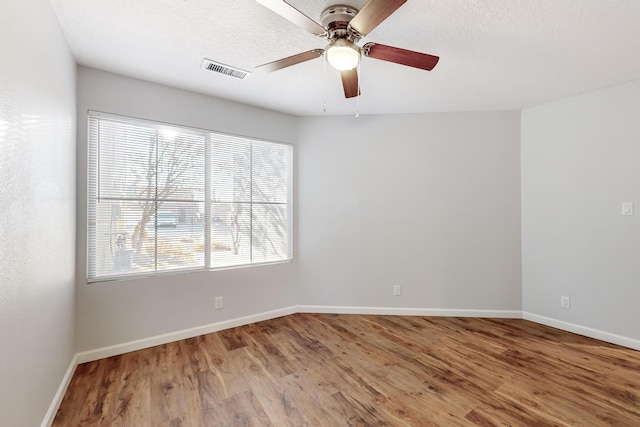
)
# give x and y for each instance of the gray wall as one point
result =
(580, 160)
(37, 205)
(112, 313)
(430, 202)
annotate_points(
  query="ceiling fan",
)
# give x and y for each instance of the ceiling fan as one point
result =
(344, 26)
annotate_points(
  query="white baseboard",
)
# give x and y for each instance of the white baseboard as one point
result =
(114, 350)
(398, 311)
(583, 330)
(62, 389)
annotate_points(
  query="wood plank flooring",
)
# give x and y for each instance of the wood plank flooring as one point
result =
(356, 370)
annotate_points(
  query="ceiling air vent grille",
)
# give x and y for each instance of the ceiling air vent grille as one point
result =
(217, 67)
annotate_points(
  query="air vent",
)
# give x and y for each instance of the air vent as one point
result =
(217, 67)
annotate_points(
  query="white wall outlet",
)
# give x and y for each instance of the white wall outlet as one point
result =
(219, 303)
(627, 208)
(397, 290)
(565, 302)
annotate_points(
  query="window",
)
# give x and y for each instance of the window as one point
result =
(164, 198)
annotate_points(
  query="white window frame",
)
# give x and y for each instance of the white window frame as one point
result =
(92, 173)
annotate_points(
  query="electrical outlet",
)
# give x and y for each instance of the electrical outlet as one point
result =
(219, 303)
(565, 302)
(396, 290)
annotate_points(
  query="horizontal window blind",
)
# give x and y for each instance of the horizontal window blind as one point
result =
(164, 198)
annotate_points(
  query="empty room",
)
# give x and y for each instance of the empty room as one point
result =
(319, 213)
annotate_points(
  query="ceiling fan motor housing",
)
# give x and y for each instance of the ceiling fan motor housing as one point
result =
(336, 20)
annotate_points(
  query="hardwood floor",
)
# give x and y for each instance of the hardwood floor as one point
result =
(356, 370)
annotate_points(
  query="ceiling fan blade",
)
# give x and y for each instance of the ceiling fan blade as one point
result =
(350, 83)
(400, 56)
(373, 13)
(292, 14)
(290, 60)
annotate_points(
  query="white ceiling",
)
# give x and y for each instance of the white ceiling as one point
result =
(494, 54)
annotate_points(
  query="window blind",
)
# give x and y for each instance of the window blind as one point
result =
(164, 198)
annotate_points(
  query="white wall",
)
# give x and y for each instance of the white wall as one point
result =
(37, 210)
(430, 202)
(118, 312)
(580, 160)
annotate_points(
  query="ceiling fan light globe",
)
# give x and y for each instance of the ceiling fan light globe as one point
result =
(343, 56)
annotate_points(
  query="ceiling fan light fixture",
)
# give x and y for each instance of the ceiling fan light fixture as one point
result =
(343, 55)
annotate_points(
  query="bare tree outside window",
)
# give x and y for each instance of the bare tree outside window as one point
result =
(164, 174)
(270, 197)
(252, 179)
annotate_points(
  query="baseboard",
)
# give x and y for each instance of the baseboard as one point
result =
(583, 330)
(62, 389)
(398, 311)
(114, 350)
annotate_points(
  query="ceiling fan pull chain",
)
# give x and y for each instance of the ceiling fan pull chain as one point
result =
(358, 97)
(324, 77)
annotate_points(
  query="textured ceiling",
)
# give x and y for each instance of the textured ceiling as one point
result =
(495, 54)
